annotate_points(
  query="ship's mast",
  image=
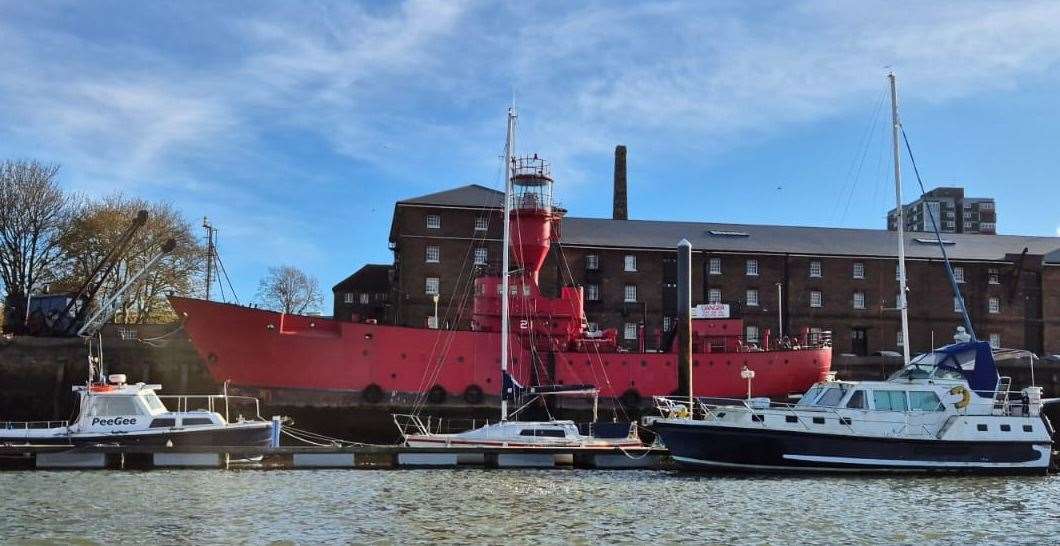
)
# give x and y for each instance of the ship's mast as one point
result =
(509, 152)
(903, 306)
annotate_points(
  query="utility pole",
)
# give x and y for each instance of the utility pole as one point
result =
(211, 234)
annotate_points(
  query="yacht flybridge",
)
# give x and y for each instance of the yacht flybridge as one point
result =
(117, 412)
(946, 410)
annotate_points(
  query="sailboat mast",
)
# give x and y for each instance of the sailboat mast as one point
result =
(903, 306)
(509, 150)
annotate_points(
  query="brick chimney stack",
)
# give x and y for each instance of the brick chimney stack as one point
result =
(621, 207)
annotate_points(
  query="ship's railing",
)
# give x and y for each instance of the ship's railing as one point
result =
(27, 425)
(708, 409)
(212, 403)
(411, 425)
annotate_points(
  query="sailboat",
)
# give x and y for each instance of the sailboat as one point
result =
(528, 199)
(945, 410)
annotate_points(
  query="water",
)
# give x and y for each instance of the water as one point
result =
(547, 506)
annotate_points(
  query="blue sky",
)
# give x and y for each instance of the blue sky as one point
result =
(295, 126)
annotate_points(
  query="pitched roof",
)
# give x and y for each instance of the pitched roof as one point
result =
(605, 232)
(370, 276)
(471, 195)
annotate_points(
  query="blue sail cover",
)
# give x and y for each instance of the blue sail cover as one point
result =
(983, 377)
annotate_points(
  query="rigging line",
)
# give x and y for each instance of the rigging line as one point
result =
(938, 236)
(865, 152)
(224, 271)
(863, 145)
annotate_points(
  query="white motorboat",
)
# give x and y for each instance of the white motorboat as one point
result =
(117, 412)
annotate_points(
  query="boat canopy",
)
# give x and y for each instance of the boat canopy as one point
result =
(972, 361)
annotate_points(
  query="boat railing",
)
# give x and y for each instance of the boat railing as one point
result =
(411, 425)
(219, 403)
(28, 425)
(707, 409)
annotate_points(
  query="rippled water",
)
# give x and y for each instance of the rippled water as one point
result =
(494, 506)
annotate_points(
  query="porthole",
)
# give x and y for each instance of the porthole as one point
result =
(818, 420)
(791, 419)
(981, 427)
(1027, 428)
(1006, 428)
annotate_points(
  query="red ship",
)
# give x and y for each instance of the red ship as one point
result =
(294, 360)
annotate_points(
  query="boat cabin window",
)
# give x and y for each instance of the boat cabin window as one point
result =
(924, 401)
(153, 402)
(889, 400)
(926, 366)
(857, 400)
(546, 432)
(113, 405)
(810, 397)
(190, 421)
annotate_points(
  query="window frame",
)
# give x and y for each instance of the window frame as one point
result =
(592, 262)
(484, 253)
(437, 221)
(816, 299)
(858, 270)
(627, 290)
(751, 302)
(993, 305)
(437, 286)
(436, 250)
(482, 223)
(859, 304)
(711, 262)
(592, 292)
(816, 269)
(629, 263)
(627, 328)
(711, 293)
(751, 267)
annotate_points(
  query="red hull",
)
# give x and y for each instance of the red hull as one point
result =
(263, 349)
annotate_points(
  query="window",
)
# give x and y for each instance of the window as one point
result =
(859, 270)
(630, 262)
(545, 432)
(592, 292)
(897, 273)
(163, 422)
(752, 297)
(924, 401)
(900, 340)
(481, 223)
(958, 274)
(192, 421)
(715, 266)
(751, 333)
(630, 330)
(481, 254)
(995, 341)
(857, 400)
(434, 254)
(752, 268)
(956, 304)
(992, 276)
(668, 322)
(859, 300)
(154, 404)
(434, 221)
(815, 268)
(889, 400)
(348, 297)
(1006, 428)
(714, 295)
(364, 298)
(994, 304)
(592, 262)
(593, 327)
(112, 406)
(981, 427)
(432, 286)
(631, 293)
(815, 298)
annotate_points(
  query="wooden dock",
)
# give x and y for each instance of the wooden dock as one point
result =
(116, 457)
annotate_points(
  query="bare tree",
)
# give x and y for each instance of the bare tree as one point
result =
(34, 212)
(289, 290)
(98, 229)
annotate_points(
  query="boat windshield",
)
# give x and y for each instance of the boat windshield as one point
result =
(822, 396)
(153, 402)
(927, 366)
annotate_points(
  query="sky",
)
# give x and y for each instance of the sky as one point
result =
(295, 126)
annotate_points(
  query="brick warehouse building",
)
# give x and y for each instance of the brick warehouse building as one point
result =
(842, 280)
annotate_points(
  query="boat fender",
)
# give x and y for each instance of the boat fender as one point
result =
(631, 398)
(966, 397)
(437, 394)
(373, 394)
(473, 394)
